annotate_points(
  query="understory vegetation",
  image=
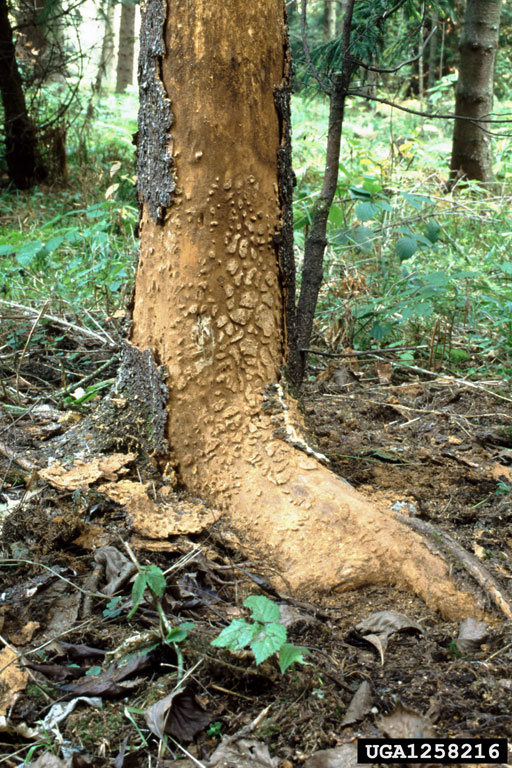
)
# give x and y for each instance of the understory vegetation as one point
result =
(408, 263)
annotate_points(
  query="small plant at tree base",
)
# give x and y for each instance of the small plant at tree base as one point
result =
(152, 577)
(265, 636)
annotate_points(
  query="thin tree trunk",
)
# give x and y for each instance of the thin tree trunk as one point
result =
(329, 20)
(432, 58)
(106, 62)
(316, 242)
(23, 163)
(125, 56)
(471, 149)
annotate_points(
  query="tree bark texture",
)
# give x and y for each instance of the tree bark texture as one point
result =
(125, 55)
(23, 164)
(471, 148)
(210, 301)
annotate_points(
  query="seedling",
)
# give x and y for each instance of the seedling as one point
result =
(265, 636)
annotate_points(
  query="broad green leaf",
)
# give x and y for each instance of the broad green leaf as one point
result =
(94, 671)
(362, 237)
(155, 579)
(336, 216)
(406, 247)
(28, 252)
(359, 193)
(366, 211)
(268, 641)
(380, 330)
(179, 633)
(139, 585)
(506, 267)
(289, 654)
(439, 279)
(5, 250)
(263, 609)
(432, 231)
(237, 635)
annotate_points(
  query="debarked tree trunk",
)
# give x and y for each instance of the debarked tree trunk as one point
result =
(211, 298)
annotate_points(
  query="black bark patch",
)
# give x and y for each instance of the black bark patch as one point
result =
(155, 166)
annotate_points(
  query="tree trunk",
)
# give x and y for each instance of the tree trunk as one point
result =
(106, 62)
(23, 163)
(214, 182)
(471, 149)
(432, 58)
(329, 20)
(126, 46)
(316, 242)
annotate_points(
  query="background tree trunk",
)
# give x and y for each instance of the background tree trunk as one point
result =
(471, 149)
(106, 61)
(23, 164)
(432, 58)
(210, 303)
(329, 20)
(126, 46)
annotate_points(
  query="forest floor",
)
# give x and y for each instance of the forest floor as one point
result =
(432, 446)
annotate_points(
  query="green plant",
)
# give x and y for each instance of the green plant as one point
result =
(214, 729)
(264, 635)
(152, 578)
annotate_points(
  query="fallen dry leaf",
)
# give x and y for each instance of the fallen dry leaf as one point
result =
(339, 757)
(243, 753)
(472, 634)
(405, 723)
(178, 714)
(360, 705)
(13, 678)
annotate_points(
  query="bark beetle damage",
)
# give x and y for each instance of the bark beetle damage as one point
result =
(155, 178)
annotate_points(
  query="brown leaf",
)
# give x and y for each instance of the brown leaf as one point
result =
(112, 682)
(178, 714)
(360, 705)
(339, 757)
(387, 622)
(472, 634)
(13, 678)
(405, 723)
(243, 753)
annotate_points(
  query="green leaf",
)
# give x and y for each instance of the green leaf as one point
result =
(139, 585)
(268, 641)
(506, 267)
(112, 608)
(28, 252)
(155, 579)
(289, 654)
(237, 635)
(263, 609)
(439, 279)
(380, 330)
(359, 193)
(432, 231)
(406, 247)
(179, 633)
(362, 237)
(366, 211)
(94, 671)
(5, 250)
(336, 216)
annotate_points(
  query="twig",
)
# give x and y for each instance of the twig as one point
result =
(83, 382)
(402, 64)
(63, 323)
(10, 454)
(362, 353)
(307, 52)
(29, 339)
(15, 561)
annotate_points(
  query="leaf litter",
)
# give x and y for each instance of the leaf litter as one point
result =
(382, 663)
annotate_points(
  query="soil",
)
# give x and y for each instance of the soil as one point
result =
(433, 447)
